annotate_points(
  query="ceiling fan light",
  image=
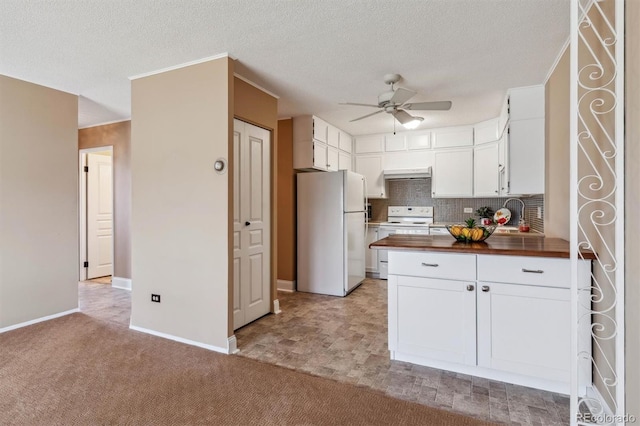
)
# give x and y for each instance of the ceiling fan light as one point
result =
(414, 123)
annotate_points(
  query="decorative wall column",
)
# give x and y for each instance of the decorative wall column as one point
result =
(597, 209)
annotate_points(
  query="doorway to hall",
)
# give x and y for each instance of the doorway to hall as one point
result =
(96, 214)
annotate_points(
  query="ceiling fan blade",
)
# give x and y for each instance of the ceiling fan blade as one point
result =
(365, 116)
(403, 117)
(356, 104)
(401, 96)
(433, 106)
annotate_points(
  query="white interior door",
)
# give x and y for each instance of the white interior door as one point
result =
(251, 223)
(99, 216)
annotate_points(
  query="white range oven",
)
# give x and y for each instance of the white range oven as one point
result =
(403, 220)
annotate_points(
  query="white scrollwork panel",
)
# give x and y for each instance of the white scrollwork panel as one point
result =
(597, 205)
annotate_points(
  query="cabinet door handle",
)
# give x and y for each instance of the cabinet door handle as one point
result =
(247, 223)
(533, 271)
(384, 261)
(433, 265)
(470, 287)
(485, 288)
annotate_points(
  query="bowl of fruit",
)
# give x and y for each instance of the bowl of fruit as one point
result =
(470, 232)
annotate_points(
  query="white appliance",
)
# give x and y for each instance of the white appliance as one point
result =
(331, 232)
(396, 174)
(440, 230)
(403, 220)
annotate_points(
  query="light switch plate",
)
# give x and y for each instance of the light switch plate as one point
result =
(468, 210)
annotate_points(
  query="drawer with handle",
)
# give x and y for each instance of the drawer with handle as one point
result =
(433, 265)
(542, 271)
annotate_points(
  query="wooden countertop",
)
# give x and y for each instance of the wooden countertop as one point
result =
(513, 246)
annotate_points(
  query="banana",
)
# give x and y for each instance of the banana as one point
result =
(455, 230)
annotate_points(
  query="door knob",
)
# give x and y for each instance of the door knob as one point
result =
(485, 288)
(470, 287)
(247, 223)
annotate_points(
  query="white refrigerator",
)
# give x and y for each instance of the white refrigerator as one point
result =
(331, 232)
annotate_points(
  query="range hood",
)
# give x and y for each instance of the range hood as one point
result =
(395, 174)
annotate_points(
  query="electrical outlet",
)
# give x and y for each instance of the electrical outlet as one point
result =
(539, 212)
(155, 298)
(468, 210)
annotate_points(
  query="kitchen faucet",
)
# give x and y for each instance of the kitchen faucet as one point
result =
(521, 202)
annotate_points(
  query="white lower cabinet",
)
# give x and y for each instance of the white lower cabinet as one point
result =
(432, 318)
(525, 329)
(371, 256)
(501, 317)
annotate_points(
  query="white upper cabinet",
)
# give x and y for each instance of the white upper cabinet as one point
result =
(451, 137)
(345, 142)
(487, 131)
(408, 160)
(316, 145)
(344, 161)
(453, 173)
(526, 140)
(419, 140)
(394, 143)
(320, 156)
(503, 164)
(503, 119)
(369, 144)
(320, 128)
(333, 136)
(371, 167)
(486, 170)
(526, 156)
(332, 159)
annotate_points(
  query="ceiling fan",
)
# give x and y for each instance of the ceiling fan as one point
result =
(394, 102)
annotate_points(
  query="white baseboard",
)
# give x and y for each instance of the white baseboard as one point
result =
(37, 320)
(232, 345)
(180, 339)
(276, 307)
(122, 283)
(284, 285)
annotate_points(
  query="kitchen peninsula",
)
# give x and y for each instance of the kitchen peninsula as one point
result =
(500, 309)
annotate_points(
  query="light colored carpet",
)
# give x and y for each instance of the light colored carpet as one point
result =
(77, 370)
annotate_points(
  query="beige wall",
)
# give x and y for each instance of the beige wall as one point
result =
(38, 201)
(257, 107)
(286, 203)
(556, 200)
(180, 126)
(632, 201)
(117, 135)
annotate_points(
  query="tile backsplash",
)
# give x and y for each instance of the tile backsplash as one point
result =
(417, 192)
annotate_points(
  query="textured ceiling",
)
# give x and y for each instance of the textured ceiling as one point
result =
(313, 54)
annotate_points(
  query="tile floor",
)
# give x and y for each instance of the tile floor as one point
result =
(105, 302)
(346, 339)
